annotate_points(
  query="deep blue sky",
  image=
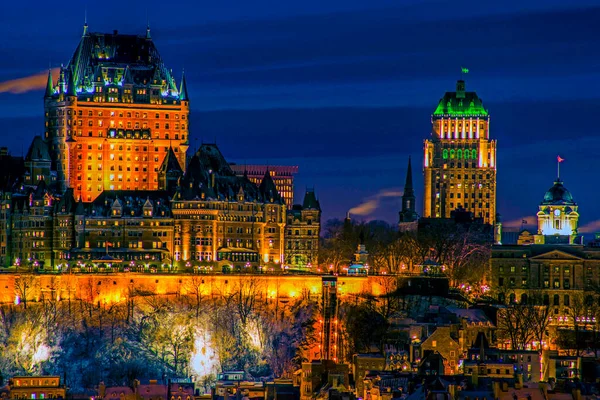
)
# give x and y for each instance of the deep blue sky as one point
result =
(345, 89)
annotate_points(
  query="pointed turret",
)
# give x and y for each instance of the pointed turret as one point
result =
(71, 89)
(49, 87)
(268, 189)
(310, 200)
(408, 213)
(183, 94)
(62, 84)
(148, 37)
(85, 29)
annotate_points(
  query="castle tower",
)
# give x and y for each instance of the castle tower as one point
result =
(460, 158)
(113, 116)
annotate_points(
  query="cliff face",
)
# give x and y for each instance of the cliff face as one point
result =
(117, 287)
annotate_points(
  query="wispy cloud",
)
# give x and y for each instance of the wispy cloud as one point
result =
(28, 83)
(590, 227)
(368, 206)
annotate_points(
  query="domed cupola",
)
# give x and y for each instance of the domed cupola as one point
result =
(558, 195)
(557, 216)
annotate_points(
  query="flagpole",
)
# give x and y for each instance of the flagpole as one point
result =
(558, 168)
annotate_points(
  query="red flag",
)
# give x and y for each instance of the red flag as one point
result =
(560, 159)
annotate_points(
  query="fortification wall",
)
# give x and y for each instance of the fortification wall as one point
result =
(117, 287)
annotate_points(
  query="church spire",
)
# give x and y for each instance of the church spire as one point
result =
(148, 37)
(408, 213)
(49, 87)
(183, 95)
(408, 185)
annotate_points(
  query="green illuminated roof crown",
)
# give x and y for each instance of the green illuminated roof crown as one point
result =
(461, 103)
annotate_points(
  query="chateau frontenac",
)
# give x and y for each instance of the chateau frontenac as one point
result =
(112, 181)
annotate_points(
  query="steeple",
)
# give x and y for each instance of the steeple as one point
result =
(408, 184)
(148, 37)
(408, 213)
(183, 95)
(49, 87)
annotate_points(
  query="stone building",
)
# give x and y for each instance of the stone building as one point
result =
(36, 387)
(555, 271)
(460, 158)
(113, 114)
(207, 219)
(303, 232)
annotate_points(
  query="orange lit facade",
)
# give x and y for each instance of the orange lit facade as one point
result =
(113, 114)
(460, 158)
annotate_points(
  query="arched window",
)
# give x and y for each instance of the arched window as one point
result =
(452, 153)
(445, 154)
(524, 298)
(459, 154)
(567, 300)
(473, 154)
(546, 300)
(556, 301)
(512, 298)
(467, 154)
(501, 298)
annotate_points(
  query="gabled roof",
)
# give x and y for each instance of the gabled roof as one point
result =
(38, 150)
(557, 254)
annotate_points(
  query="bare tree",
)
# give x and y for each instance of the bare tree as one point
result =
(194, 284)
(25, 286)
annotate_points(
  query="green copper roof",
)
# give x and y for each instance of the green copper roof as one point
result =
(461, 103)
(117, 59)
(49, 86)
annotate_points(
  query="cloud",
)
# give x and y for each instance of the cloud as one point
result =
(590, 227)
(28, 83)
(368, 206)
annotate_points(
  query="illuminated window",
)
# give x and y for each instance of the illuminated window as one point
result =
(452, 153)
(473, 154)
(445, 154)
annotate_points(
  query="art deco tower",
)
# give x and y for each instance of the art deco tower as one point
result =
(460, 158)
(113, 116)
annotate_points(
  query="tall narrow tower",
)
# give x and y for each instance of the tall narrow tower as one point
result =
(460, 158)
(408, 213)
(114, 115)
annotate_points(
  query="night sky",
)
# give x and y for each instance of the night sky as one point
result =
(345, 89)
